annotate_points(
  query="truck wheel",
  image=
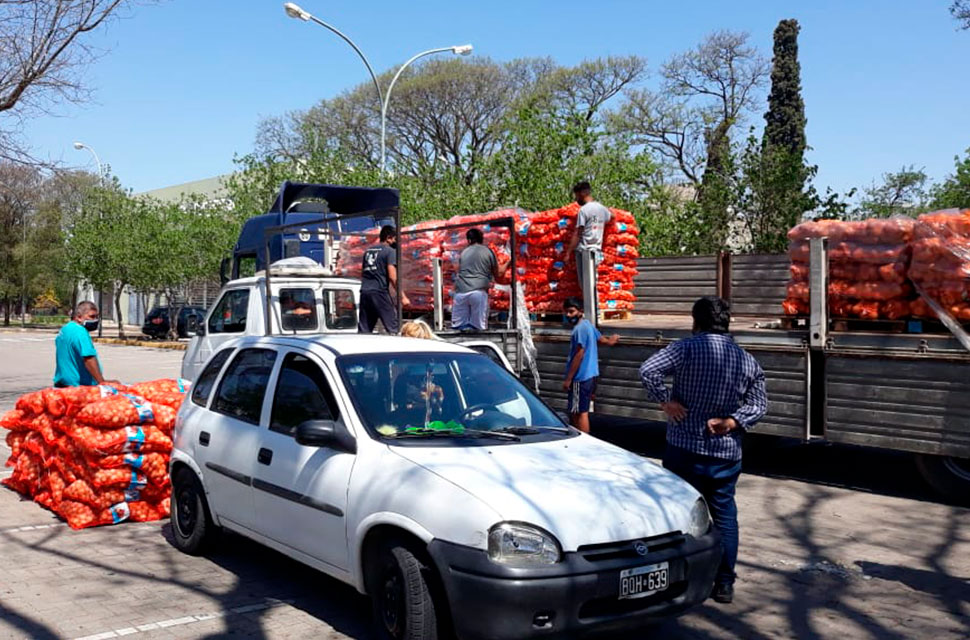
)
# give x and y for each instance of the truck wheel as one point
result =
(403, 606)
(192, 526)
(947, 474)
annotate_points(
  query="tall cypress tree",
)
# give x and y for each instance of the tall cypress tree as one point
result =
(776, 193)
(785, 119)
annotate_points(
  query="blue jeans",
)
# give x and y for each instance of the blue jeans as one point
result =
(715, 479)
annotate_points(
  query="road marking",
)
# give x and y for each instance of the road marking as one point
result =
(176, 622)
(34, 527)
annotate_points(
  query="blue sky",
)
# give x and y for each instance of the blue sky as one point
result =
(184, 82)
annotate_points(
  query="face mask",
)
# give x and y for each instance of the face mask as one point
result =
(394, 245)
(91, 325)
(572, 320)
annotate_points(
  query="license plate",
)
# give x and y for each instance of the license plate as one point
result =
(640, 582)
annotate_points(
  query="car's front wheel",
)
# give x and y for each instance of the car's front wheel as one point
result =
(400, 590)
(192, 526)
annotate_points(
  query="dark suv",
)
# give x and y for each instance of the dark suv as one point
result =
(156, 322)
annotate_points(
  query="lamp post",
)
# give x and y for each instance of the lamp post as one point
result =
(461, 50)
(79, 146)
(294, 11)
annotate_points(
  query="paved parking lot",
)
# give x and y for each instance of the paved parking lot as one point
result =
(836, 543)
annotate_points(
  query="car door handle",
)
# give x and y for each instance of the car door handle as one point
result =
(265, 456)
(204, 438)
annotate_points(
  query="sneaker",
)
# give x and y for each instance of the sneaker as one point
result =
(723, 593)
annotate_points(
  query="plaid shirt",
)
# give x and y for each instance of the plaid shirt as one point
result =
(713, 378)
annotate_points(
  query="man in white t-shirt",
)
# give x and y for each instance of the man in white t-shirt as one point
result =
(590, 223)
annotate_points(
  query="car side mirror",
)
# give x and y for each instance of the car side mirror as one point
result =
(325, 433)
(200, 329)
(224, 271)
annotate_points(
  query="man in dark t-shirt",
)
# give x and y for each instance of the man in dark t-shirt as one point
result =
(378, 276)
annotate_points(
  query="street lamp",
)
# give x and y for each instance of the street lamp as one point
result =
(459, 50)
(295, 11)
(79, 146)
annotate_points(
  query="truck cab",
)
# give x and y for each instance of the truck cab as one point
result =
(308, 220)
(306, 299)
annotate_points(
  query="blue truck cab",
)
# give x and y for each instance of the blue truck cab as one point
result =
(312, 204)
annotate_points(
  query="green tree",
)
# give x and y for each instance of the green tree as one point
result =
(902, 192)
(18, 190)
(954, 191)
(767, 205)
(776, 185)
(100, 242)
(706, 92)
(785, 119)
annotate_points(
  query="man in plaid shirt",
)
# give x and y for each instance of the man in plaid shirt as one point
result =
(718, 394)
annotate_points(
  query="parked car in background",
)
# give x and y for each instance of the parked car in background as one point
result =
(157, 325)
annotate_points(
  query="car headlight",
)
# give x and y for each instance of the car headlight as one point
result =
(700, 519)
(521, 545)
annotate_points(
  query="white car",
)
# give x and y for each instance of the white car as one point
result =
(430, 478)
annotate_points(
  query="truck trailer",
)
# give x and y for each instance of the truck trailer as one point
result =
(903, 386)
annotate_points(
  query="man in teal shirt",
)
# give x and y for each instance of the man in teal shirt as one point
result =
(77, 360)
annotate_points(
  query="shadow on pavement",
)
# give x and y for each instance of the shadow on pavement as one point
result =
(890, 473)
(262, 573)
(31, 628)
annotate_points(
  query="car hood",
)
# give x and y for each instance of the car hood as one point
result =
(583, 490)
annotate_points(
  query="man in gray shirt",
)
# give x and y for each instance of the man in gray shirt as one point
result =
(477, 267)
(588, 235)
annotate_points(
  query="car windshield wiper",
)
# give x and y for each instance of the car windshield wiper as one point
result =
(532, 429)
(455, 433)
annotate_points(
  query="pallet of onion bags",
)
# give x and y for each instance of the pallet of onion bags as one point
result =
(95, 455)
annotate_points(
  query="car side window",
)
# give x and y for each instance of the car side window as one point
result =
(243, 386)
(488, 352)
(203, 386)
(302, 393)
(340, 310)
(229, 315)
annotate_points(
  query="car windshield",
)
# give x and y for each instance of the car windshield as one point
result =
(443, 394)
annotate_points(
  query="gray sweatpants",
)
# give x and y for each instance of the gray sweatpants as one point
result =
(470, 309)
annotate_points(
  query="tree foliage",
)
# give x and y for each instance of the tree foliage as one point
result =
(43, 50)
(960, 10)
(954, 191)
(144, 244)
(785, 119)
(31, 241)
(774, 194)
(902, 192)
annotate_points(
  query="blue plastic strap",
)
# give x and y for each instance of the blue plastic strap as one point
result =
(143, 407)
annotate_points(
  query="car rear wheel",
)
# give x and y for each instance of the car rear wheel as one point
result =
(192, 526)
(399, 587)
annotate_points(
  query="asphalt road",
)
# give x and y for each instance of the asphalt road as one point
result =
(837, 542)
